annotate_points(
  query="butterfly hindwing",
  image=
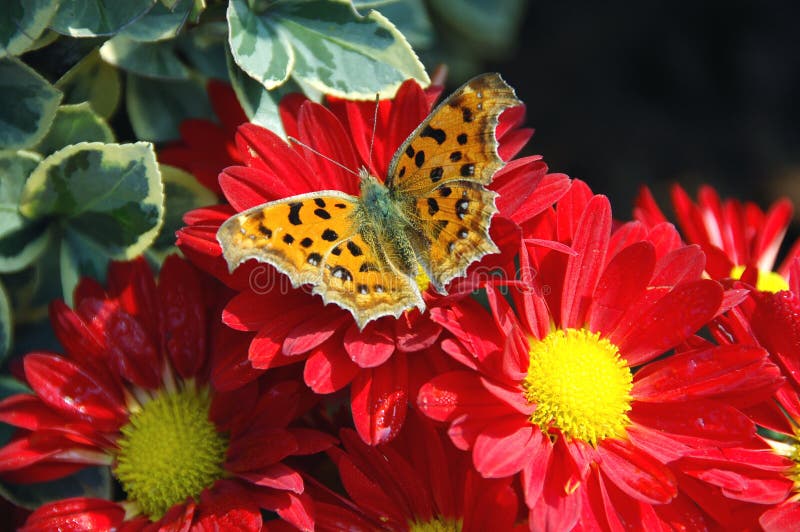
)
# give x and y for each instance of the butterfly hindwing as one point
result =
(456, 142)
(455, 219)
(357, 278)
(293, 234)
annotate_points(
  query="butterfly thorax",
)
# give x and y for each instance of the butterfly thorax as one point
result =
(380, 219)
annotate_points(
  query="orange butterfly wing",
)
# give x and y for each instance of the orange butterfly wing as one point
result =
(312, 239)
(439, 174)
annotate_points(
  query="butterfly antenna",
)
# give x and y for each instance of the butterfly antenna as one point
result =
(374, 126)
(312, 150)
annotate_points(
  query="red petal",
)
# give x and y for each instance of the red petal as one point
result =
(583, 270)
(266, 346)
(226, 506)
(449, 395)
(322, 131)
(622, 282)
(550, 189)
(534, 475)
(75, 515)
(259, 448)
(698, 423)
(328, 368)
(370, 347)
(647, 209)
(781, 518)
(680, 265)
(264, 150)
(722, 372)
(379, 400)
(226, 105)
(278, 476)
(571, 208)
(314, 331)
(669, 322)
(505, 447)
(516, 182)
(635, 473)
(75, 391)
(297, 510)
(184, 316)
(246, 187)
(415, 332)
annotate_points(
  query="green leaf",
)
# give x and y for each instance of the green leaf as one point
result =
(15, 167)
(409, 16)
(258, 48)
(161, 22)
(26, 120)
(23, 22)
(21, 242)
(91, 18)
(157, 108)
(110, 200)
(90, 482)
(150, 59)
(339, 52)
(31, 290)
(74, 124)
(94, 81)
(183, 193)
(260, 105)
(204, 49)
(6, 324)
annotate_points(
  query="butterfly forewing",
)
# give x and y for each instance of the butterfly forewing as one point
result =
(293, 234)
(456, 142)
(313, 240)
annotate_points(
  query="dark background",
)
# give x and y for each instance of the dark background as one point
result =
(630, 93)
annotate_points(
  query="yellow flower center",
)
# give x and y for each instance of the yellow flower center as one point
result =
(579, 385)
(170, 451)
(436, 525)
(789, 447)
(767, 281)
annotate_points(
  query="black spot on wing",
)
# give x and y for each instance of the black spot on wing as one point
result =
(354, 249)
(368, 267)
(329, 235)
(294, 212)
(319, 202)
(433, 206)
(419, 158)
(322, 213)
(466, 114)
(314, 259)
(436, 134)
(362, 289)
(306, 242)
(436, 174)
(410, 150)
(288, 238)
(340, 272)
(462, 138)
(340, 205)
(337, 251)
(468, 170)
(266, 231)
(455, 156)
(445, 191)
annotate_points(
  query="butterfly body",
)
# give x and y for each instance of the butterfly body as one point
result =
(433, 210)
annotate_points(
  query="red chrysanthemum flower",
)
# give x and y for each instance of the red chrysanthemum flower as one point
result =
(772, 320)
(739, 239)
(206, 147)
(132, 393)
(418, 482)
(293, 326)
(578, 392)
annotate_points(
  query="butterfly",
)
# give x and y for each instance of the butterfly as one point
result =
(433, 210)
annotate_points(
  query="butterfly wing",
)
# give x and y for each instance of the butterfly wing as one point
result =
(454, 221)
(439, 173)
(312, 239)
(456, 142)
